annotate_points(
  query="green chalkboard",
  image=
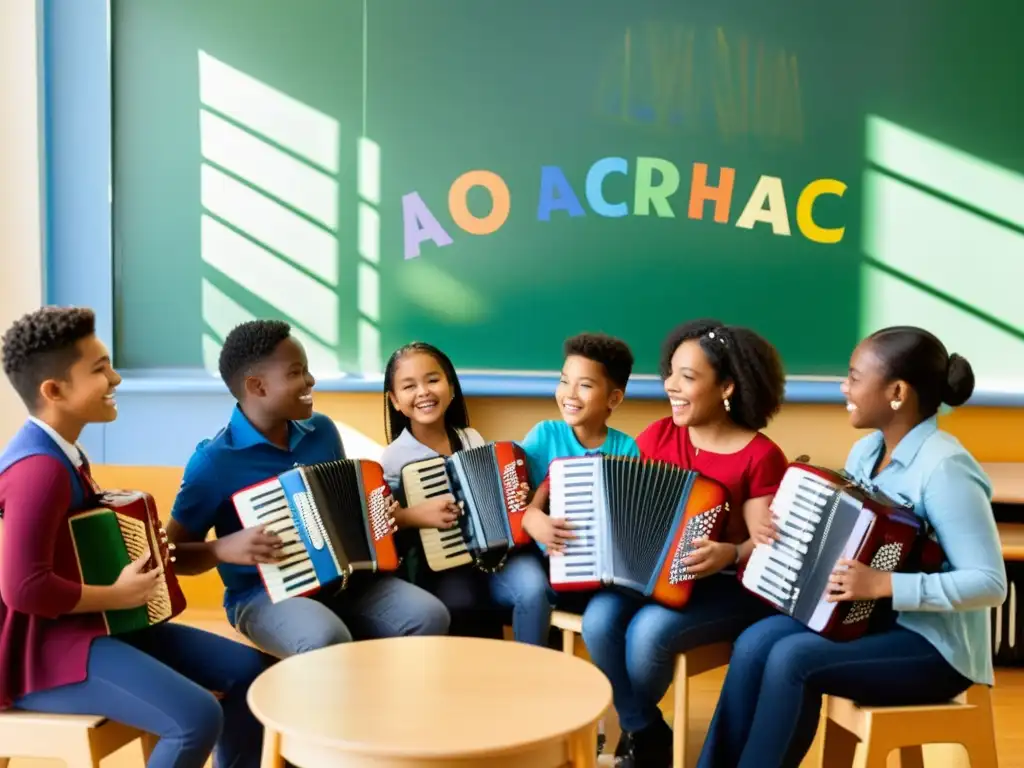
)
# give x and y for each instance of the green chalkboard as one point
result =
(295, 159)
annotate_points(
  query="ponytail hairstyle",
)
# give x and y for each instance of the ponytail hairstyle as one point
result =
(918, 357)
(456, 416)
(739, 355)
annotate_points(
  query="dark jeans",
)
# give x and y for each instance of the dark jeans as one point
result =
(160, 680)
(770, 704)
(521, 584)
(635, 642)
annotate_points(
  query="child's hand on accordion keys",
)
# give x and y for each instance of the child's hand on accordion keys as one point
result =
(439, 512)
(249, 547)
(135, 585)
(709, 557)
(552, 532)
(852, 580)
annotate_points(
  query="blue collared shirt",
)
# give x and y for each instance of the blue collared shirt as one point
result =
(932, 471)
(235, 458)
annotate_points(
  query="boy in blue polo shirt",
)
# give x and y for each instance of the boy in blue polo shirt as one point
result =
(273, 428)
(592, 385)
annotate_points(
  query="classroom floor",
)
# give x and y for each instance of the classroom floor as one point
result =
(1008, 698)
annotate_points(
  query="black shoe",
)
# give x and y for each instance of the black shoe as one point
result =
(624, 751)
(652, 747)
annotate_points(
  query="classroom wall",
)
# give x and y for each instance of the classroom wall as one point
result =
(20, 222)
(821, 431)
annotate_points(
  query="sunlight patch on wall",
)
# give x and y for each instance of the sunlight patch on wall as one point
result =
(443, 295)
(270, 212)
(286, 121)
(308, 190)
(368, 277)
(946, 170)
(937, 264)
(222, 313)
(288, 234)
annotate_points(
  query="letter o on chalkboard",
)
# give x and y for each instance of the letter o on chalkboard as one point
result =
(501, 202)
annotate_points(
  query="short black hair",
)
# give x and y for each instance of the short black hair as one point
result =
(247, 345)
(612, 353)
(43, 345)
(919, 358)
(742, 356)
(455, 417)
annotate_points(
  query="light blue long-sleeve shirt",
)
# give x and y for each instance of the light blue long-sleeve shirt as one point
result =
(930, 470)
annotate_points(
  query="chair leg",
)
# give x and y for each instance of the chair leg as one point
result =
(568, 641)
(838, 746)
(4, 761)
(680, 713)
(911, 757)
(872, 754)
(981, 750)
(148, 741)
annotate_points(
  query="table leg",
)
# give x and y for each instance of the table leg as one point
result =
(583, 747)
(271, 750)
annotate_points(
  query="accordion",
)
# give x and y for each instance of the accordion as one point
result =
(109, 537)
(823, 517)
(634, 522)
(333, 518)
(486, 481)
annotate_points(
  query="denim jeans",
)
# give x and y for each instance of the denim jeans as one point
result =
(770, 703)
(372, 606)
(160, 680)
(635, 642)
(522, 584)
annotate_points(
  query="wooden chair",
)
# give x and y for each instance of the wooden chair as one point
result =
(689, 664)
(80, 741)
(966, 720)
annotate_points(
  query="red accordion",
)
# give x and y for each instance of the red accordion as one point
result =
(823, 517)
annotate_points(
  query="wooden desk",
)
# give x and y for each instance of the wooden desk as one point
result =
(1007, 481)
(431, 701)
(1012, 537)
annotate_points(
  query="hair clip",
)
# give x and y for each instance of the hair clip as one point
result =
(713, 335)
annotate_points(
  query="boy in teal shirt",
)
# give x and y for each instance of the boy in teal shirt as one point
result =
(592, 385)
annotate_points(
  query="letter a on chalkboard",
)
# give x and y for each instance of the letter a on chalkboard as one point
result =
(420, 225)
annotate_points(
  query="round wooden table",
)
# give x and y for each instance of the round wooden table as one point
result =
(430, 701)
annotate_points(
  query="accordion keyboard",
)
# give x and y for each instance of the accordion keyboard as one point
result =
(443, 549)
(576, 490)
(266, 504)
(798, 507)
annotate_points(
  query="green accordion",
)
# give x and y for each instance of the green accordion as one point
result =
(109, 537)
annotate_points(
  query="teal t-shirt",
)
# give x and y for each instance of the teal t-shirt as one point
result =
(550, 440)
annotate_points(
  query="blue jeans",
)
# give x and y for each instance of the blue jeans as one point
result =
(769, 708)
(372, 606)
(159, 680)
(522, 585)
(635, 642)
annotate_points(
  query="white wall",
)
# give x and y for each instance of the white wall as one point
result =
(20, 222)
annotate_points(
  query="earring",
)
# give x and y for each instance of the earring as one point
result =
(728, 407)
(895, 404)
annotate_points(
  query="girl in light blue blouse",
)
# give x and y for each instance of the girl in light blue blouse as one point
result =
(937, 645)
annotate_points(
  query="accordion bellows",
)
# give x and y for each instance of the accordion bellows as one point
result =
(635, 521)
(109, 537)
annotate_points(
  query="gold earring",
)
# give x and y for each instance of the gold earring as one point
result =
(728, 406)
(895, 404)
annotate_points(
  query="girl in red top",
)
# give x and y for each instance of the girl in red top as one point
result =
(724, 384)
